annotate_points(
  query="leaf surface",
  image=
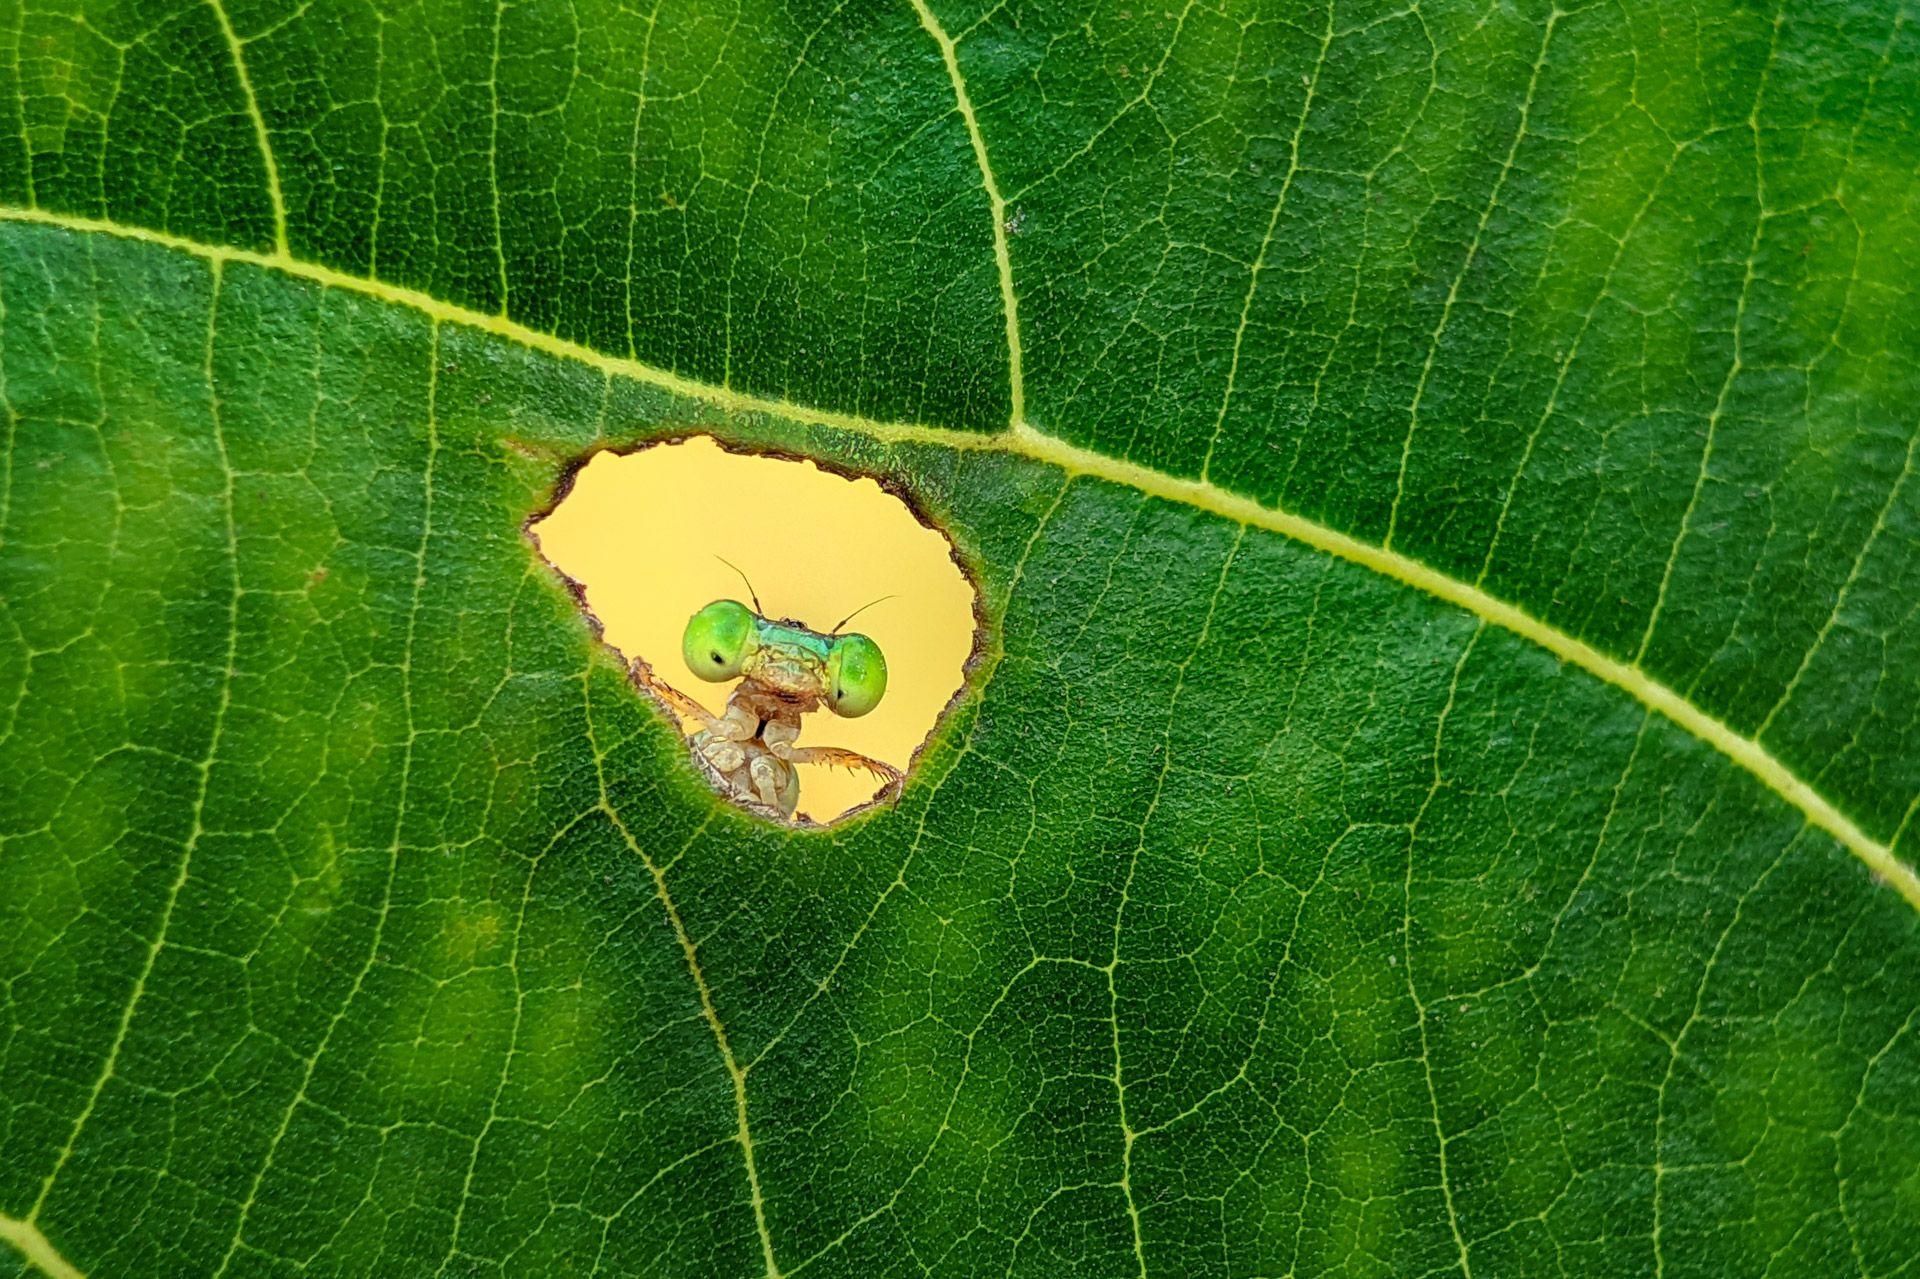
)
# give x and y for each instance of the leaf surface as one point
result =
(1439, 798)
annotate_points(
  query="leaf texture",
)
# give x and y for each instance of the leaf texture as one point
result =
(1440, 797)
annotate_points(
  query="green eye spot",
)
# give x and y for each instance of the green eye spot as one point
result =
(856, 676)
(718, 639)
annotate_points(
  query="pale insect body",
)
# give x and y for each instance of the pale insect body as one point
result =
(785, 670)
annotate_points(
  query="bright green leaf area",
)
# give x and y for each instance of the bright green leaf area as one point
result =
(1261, 910)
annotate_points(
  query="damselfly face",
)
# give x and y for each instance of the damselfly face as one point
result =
(799, 666)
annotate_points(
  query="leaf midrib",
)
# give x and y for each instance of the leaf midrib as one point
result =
(1023, 440)
(37, 1248)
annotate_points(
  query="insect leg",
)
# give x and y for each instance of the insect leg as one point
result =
(838, 758)
(773, 783)
(780, 738)
(677, 701)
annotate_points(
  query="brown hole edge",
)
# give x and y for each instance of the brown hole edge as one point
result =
(890, 484)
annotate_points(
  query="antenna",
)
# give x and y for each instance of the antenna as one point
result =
(743, 577)
(856, 612)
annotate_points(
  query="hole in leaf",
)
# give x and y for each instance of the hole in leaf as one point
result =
(648, 536)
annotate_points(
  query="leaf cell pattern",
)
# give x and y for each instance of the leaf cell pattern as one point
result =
(1259, 912)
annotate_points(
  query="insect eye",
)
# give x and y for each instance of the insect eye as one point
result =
(856, 676)
(718, 639)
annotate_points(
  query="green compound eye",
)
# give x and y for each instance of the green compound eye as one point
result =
(856, 676)
(718, 639)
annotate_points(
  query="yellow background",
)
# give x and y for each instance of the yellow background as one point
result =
(641, 533)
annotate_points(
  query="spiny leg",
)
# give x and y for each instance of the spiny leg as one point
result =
(678, 701)
(838, 758)
(780, 737)
(716, 742)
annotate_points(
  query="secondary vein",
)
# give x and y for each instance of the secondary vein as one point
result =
(235, 44)
(1024, 441)
(997, 206)
(203, 774)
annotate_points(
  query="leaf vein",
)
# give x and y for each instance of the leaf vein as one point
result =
(1466, 264)
(1406, 953)
(1024, 441)
(274, 198)
(743, 1133)
(203, 766)
(1736, 361)
(37, 1248)
(395, 841)
(949, 53)
(1266, 244)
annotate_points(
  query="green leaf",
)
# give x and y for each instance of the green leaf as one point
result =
(1440, 796)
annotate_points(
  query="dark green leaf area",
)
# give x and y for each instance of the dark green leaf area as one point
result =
(134, 112)
(1606, 308)
(1253, 915)
(779, 199)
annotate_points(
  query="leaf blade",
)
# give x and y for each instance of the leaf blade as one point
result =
(1257, 914)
